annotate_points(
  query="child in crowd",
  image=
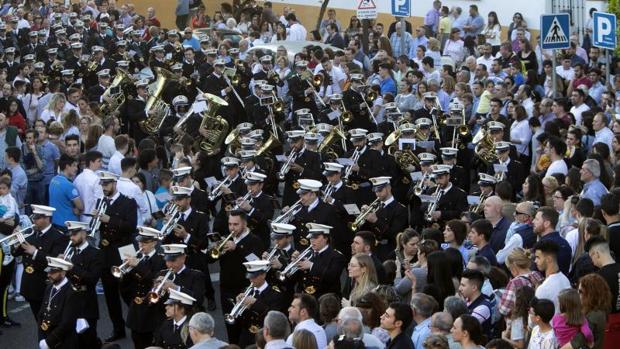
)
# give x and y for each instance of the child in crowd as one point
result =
(8, 205)
(570, 321)
(543, 337)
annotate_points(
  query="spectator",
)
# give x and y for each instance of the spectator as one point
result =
(518, 264)
(546, 252)
(467, 332)
(570, 320)
(595, 299)
(64, 195)
(479, 235)
(87, 183)
(105, 144)
(395, 320)
(541, 313)
(301, 313)
(593, 189)
(423, 307)
(19, 179)
(479, 305)
(296, 31)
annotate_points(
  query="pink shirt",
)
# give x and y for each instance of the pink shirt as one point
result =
(565, 332)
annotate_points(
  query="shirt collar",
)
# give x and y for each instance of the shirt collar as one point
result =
(187, 212)
(313, 204)
(338, 185)
(242, 236)
(46, 229)
(388, 201)
(180, 322)
(262, 288)
(182, 269)
(83, 246)
(61, 284)
(114, 197)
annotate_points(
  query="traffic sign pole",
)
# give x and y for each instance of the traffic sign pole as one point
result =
(403, 30)
(607, 74)
(554, 77)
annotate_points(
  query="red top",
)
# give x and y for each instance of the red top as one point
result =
(18, 121)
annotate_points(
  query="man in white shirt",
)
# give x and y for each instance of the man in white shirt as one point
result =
(295, 31)
(578, 98)
(487, 58)
(565, 70)
(556, 148)
(121, 143)
(338, 77)
(301, 313)
(87, 183)
(106, 142)
(555, 281)
(131, 190)
(602, 133)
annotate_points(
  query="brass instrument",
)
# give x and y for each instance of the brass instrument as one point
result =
(461, 130)
(326, 146)
(292, 267)
(479, 207)
(329, 190)
(122, 270)
(404, 158)
(272, 254)
(311, 81)
(354, 158)
(317, 80)
(217, 251)
(278, 105)
(433, 205)
(239, 307)
(246, 197)
(68, 254)
(16, 238)
(230, 83)
(273, 141)
(368, 96)
(346, 116)
(287, 215)
(216, 127)
(485, 148)
(95, 222)
(217, 190)
(156, 109)
(112, 101)
(157, 292)
(500, 176)
(361, 218)
(421, 186)
(287, 165)
(169, 226)
(170, 208)
(92, 66)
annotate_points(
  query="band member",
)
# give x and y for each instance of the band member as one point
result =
(426, 140)
(486, 183)
(424, 185)
(300, 162)
(242, 246)
(355, 101)
(320, 270)
(506, 167)
(235, 188)
(174, 331)
(118, 224)
(261, 299)
(496, 131)
(300, 88)
(95, 92)
(312, 210)
(192, 230)
(452, 201)
(216, 84)
(401, 179)
(458, 175)
(87, 263)
(387, 220)
(134, 110)
(337, 194)
(60, 308)
(142, 318)
(367, 163)
(183, 178)
(266, 71)
(279, 257)
(258, 206)
(45, 241)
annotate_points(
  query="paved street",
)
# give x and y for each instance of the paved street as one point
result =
(25, 337)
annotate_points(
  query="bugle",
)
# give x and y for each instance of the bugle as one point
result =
(218, 250)
(428, 216)
(292, 267)
(217, 190)
(121, 270)
(361, 218)
(354, 158)
(175, 217)
(16, 238)
(239, 307)
(95, 222)
(158, 291)
(288, 215)
(287, 165)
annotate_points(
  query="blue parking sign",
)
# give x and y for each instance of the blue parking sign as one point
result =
(555, 31)
(401, 8)
(604, 30)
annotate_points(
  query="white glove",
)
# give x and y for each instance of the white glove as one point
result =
(43, 344)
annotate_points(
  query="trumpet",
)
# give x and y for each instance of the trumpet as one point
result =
(217, 251)
(217, 190)
(361, 218)
(158, 291)
(272, 254)
(121, 270)
(68, 254)
(421, 186)
(171, 223)
(239, 307)
(287, 165)
(287, 215)
(170, 208)
(433, 205)
(479, 208)
(329, 190)
(95, 222)
(245, 197)
(292, 267)
(347, 172)
(16, 238)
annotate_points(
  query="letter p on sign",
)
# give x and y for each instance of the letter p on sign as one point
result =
(604, 30)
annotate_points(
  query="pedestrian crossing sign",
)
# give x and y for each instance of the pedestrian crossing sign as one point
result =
(555, 31)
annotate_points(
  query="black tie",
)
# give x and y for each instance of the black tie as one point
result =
(54, 291)
(256, 293)
(75, 251)
(176, 328)
(315, 255)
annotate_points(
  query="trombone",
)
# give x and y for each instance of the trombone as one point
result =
(368, 96)
(218, 250)
(158, 291)
(361, 218)
(230, 84)
(121, 270)
(313, 84)
(292, 267)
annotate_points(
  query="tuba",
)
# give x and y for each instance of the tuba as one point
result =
(485, 148)
(215, 125)
(156, 108)
(114, 96)
(326, 148)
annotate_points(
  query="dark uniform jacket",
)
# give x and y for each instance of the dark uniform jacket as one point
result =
(232, 275)
(57, 317)
(87, 267)
(259, 217)
(391, 220)
(361, 115)
(296, 90)
(197, 225)
(452, 204)
(119, 230)
(168, 337)
(324, 276)
(515, 174)
(252, 319)
(342, 238)
(311, 162)
(50, 244)
(238, 189)
(322, 213)
(143, 317)
(371, 165)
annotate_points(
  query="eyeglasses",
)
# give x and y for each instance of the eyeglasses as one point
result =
(518, 213)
